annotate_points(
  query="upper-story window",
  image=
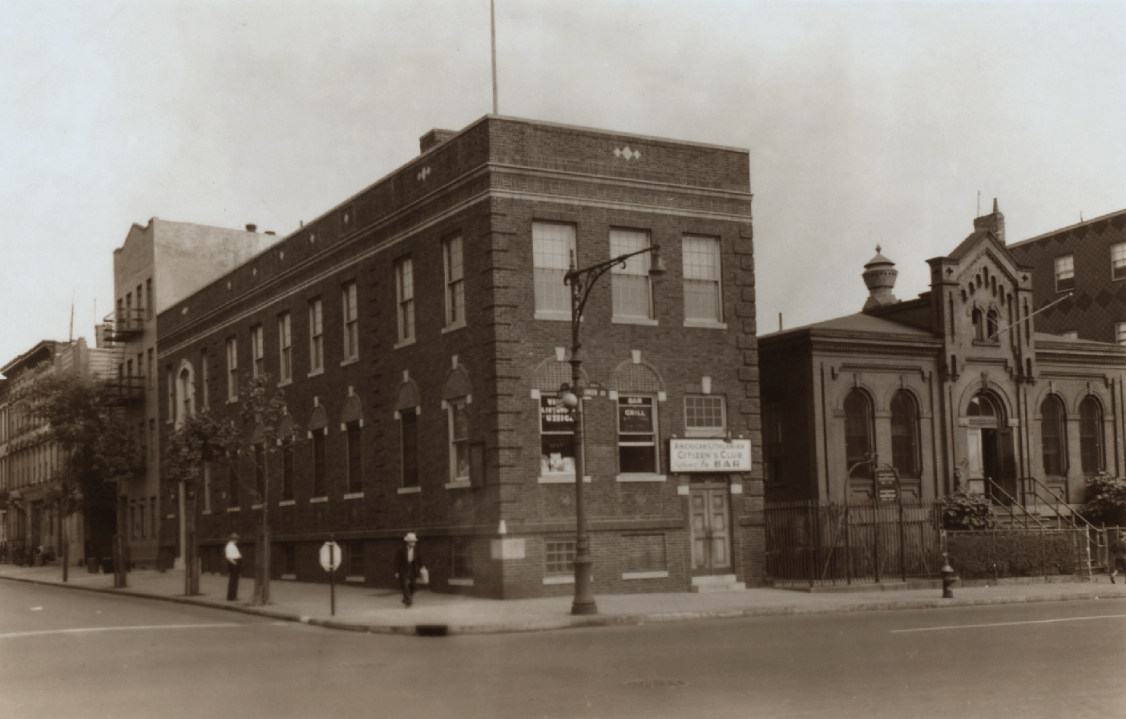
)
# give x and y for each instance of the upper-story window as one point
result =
(408, 429)
(631, 288)
(1118, 261)
(455, 281)
(1065, 273)
(351, 322)
(316, 337)
(148, 298)
(557, 437)
(459, 439)
(1120, 333)
(992, 325)
(232, 369)
(257, 351)
(285, 348)
(705, 415)
(404, 296)
(701, 279)
(553, 247)
(355, 458)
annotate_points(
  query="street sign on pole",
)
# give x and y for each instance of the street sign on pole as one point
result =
(330, 561)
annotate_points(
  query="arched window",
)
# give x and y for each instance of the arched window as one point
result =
(858, 431)
(904, 434)
(1052, 436)
(1091, 435)
(979, 324)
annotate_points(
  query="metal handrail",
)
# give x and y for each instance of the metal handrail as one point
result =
(1057, 502)
(1013, 503)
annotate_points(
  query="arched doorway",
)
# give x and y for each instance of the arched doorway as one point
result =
(991, 462)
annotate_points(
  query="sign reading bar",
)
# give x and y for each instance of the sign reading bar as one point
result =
(710, 455)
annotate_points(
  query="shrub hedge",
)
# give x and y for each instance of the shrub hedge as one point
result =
(1011, 554)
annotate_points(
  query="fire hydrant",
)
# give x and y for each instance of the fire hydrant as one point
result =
(948, 578)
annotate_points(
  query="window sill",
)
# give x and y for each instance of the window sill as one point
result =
(645, 575)
(318, 500)
(316, 372)
(561, 478)
(230, 400)
(350, 360)
(644, 321)
(458, 484)
(206, 511)
(256, 506)
(354, 495)
(641, 477)
(234, 509)
(405, 343)
(285, 382)
(455, 582)
(409, 490)
(552, 315)
(705, 434)
(561, 579)
(289, 576)
(459, 325)
(287, 503)
(706, 324)
(354, 578)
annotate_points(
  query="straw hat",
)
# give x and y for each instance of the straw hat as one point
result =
(410, 537)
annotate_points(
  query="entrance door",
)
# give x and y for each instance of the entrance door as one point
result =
(711, 531)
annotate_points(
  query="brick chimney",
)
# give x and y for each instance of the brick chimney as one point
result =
(994, 222)
(434, 138)
(879, 275)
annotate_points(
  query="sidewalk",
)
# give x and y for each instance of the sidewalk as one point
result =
(367, 609)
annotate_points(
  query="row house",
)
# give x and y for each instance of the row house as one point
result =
(421, 332)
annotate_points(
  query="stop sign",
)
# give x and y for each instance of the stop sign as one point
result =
(330, 556)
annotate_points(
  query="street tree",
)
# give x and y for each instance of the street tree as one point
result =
(198, 441)
(85, 417)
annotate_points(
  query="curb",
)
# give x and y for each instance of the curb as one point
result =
(605, 620)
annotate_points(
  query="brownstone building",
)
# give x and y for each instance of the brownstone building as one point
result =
(954, 387)
(1083, 267)
(421, 331)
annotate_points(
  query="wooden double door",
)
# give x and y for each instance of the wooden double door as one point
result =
(710, 527)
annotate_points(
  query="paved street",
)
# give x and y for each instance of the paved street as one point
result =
(70, 653)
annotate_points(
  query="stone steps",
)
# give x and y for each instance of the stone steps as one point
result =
(717, 583)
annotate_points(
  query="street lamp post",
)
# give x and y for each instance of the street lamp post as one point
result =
(581, 281)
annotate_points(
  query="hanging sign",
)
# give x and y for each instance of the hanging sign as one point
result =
(710, 455)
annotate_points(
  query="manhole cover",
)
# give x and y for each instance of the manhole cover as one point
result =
(656, 683)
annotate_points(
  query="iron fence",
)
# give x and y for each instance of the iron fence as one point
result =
(809, 544)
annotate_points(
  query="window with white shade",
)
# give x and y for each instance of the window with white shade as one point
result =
(631, 288)
(553, 246)
(316, 337)
(455, 281)
(459, 440)
(404, 293)
(701, 280)
(351, 322)
(257, 351)
(232, 369)
(1065, 273)
(1118, 261)
(285, 348)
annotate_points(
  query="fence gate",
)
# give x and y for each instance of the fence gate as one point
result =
(808, 543)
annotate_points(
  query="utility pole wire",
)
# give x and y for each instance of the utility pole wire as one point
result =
(1009, 327)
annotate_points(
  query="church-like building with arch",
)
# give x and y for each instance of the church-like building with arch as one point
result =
(953, 389)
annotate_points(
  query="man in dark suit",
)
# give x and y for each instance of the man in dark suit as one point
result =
(408, 567)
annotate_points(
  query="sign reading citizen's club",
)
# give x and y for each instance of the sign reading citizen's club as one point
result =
(710, 455)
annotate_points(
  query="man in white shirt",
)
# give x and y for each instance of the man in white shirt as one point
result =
(234, 564)
(408, 567)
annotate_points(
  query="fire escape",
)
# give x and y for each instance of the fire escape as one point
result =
(127, 385)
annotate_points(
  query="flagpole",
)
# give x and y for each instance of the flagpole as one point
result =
(493, 24)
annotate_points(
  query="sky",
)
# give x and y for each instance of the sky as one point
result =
(867, 123)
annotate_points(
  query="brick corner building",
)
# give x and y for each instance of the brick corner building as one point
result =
(421, 331)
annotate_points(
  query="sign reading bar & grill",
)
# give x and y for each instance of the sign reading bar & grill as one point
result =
(710, 455)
